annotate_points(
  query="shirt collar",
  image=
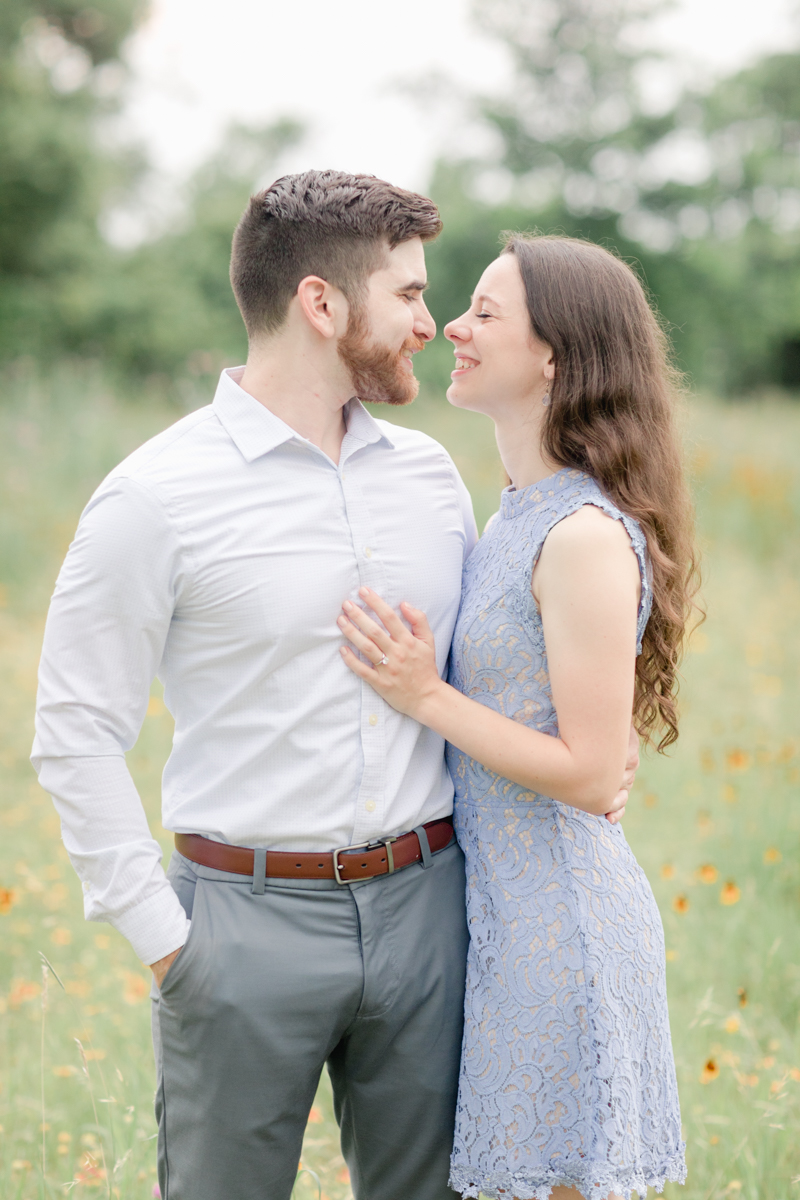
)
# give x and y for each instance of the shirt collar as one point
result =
(255, 430)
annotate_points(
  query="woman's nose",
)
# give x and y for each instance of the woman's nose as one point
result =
(457, 331)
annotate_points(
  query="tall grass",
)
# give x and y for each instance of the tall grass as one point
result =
(716, 825)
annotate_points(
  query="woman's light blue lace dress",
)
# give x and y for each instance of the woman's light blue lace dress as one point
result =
(567, 1075)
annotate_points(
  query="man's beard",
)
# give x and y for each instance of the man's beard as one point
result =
(379, 374)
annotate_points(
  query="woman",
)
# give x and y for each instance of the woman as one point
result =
(572, 615)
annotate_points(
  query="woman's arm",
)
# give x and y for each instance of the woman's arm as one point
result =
(587, 586)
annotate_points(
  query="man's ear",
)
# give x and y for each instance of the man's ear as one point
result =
(322, 305)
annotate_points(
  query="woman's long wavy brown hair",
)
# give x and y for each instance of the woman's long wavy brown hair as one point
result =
(612, 414)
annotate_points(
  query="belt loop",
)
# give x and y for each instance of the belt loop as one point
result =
(259, 872)
(424, 845)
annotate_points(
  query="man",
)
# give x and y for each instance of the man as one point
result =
(292, 931)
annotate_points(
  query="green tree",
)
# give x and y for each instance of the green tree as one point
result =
(703, 197)
(59, 73)
(167, 306)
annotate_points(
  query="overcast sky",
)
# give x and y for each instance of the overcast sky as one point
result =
(200, 63)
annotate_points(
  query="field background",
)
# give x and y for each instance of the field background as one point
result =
(716, 825)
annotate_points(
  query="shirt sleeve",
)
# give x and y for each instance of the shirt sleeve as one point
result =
(104, 639)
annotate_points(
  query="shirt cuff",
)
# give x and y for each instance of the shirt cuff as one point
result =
(155, 927)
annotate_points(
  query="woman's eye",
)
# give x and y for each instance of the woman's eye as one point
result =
(482, 315)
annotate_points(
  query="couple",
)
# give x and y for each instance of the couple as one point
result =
(291, 569)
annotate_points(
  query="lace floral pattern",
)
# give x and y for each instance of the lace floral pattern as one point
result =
(567, 1074)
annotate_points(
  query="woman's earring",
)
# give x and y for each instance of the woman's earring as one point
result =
(546, 399)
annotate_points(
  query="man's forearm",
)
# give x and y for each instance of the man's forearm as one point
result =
(116, 857)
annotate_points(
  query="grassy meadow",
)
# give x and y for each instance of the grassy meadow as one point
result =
(716, 825)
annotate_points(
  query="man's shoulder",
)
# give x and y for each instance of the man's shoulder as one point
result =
(403, 438)
(169, 451)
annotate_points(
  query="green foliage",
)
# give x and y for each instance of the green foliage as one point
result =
(58, 76)
(167, 307)
(703, 198)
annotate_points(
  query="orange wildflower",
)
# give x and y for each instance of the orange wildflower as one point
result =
(730, 894)
(681, 904)
(710, 1071)
(707, 873)
(136, 987)
(89, 1173)
(772, 855)
(668, 871)
(732, 1025)
(8, 898)
(742, 994)
(22, 990)
(315, 1117)
(61, 937)
(737, 760)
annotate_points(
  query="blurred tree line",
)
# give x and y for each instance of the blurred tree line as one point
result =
(700, 190)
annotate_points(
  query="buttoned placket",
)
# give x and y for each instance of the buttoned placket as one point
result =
(370, 805)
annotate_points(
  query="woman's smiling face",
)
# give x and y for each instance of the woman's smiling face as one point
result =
(500, 363)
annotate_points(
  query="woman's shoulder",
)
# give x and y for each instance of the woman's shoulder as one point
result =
(590, 526)
(588, 510)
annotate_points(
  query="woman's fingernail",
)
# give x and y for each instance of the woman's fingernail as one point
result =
(347, 604)
(341, 621)
(343, 651)
(364, 591)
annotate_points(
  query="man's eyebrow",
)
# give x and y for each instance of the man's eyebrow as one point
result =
(416, 285)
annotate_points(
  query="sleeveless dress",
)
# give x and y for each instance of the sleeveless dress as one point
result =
(567, 1074)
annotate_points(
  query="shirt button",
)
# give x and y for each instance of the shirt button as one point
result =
(370, 806)
(367, 552)
(373, 718)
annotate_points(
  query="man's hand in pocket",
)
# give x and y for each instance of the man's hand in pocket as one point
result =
(161, 967)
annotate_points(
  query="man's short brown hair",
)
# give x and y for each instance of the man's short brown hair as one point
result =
(324, 223)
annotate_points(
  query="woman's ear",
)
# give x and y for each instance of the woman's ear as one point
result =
(550, 367)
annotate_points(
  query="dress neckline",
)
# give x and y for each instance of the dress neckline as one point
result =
(514, 502)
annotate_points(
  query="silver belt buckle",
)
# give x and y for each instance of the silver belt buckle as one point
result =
(337, 866)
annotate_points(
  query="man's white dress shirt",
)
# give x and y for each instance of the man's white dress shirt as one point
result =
(217, 557)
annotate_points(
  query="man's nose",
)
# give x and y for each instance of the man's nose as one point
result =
(424, 325)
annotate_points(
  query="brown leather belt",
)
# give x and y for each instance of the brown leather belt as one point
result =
(345, 865)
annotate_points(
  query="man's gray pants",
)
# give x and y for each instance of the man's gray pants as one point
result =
(270, 987)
